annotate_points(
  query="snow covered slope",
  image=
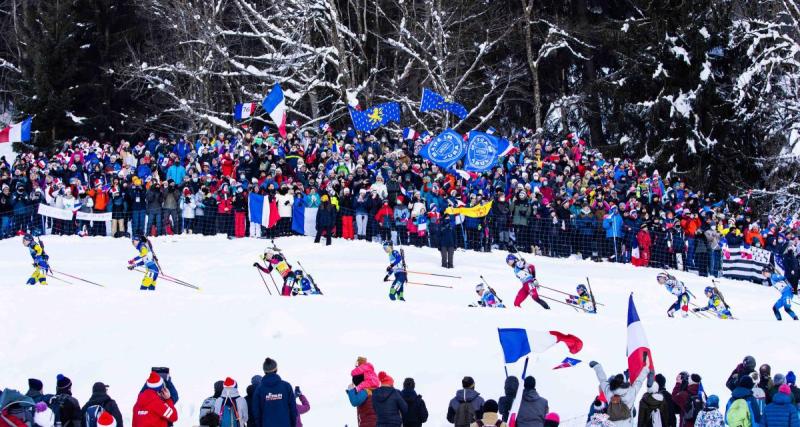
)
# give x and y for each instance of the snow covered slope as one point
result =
(115, 334)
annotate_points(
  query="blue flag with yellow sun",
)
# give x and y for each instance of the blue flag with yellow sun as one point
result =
(375, 117)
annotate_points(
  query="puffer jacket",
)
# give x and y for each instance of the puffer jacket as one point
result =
(532, 409)
(781, 412)
(389, 407)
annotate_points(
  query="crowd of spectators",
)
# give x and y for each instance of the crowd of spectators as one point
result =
(552, 197)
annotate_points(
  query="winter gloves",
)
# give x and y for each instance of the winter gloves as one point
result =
(592, 364)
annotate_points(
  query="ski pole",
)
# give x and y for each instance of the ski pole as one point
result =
(429, 284)
(313, 282)
(175, 279)
(591, 294)
(77, 278)
(60, 279)
(562, 292)
(434, 274)
(171, 280)
(264, 280)
(491, 290)
(562, 302)
(273, 282)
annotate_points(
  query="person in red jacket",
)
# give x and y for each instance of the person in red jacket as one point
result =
(154, 406)
(643, 239)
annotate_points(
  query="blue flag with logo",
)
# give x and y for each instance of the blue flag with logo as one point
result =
(482, 151)
(375, 117)
(445, 149)
(514, 342)
(433, 101)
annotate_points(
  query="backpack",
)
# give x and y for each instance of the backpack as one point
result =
(738, 414)
(207, 406)
(617, 409)
(417, 412)
(693, 407)
(464, 415)
(92, 414)
(56, 404)
(229, 414)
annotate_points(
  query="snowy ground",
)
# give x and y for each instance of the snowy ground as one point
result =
(115, 334)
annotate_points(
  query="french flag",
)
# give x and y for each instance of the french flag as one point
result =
(18, 132)
(244, 111)
(505, 148)
(409, 133)
(262, 211)
(325, 127)
(275, 105)
(637, 343)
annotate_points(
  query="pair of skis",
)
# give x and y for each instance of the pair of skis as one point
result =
(274, 283)
(166, 277)
(55, 274)
(577, 307)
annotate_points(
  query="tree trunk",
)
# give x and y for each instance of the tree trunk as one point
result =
(592, 102)
(533, 64)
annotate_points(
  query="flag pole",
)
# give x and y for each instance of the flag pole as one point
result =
(525, 368)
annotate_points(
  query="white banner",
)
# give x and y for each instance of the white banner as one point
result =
(102, 217)
(53, 212)
(66, 214)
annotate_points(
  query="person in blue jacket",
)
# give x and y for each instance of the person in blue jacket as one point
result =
(785, 301)
(397, 267)
(782, 412)
(744, 390)
(388, 403)
(274, 402)
(612, 223)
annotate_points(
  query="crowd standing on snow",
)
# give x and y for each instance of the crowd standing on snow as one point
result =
(758, 398)
(555, 198)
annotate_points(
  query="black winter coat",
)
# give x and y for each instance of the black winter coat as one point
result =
(107, 403)
(447, 235)
(326, 216)
(389, 407)
(417, 413)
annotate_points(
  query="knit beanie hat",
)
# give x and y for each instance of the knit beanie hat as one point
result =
(746, 382)
(695, 379)
(552, 417)
(791, 378)
(467, 382)
(229, 383)
(270, 366)
(63, 383)
(750, 362)
(385, 379)
(712, 401)
(35, 384)
(779, 379)
(106, 420)
(409, 384)
(490, 406)
(154, 381)
(598, 405)
(785, 389)
(530, 383)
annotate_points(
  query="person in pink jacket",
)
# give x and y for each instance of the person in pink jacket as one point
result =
(302, 407)
(370, 377)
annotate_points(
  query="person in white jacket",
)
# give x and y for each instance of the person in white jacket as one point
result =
(188, 205)
(230, 405)
(617, 387)
(285, 200)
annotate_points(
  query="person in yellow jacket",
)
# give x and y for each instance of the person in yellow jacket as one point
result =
(147, 259)
(40, 265)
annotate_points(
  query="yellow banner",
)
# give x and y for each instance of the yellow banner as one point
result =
(473, 212)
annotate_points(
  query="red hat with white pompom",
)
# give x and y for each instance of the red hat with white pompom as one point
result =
(155, 381)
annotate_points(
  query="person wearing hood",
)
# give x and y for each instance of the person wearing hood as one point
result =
(15, 409)
(471, 399)
(274, 399)
(66, 407)
(686, 388)
(100, 400)
(35, 388)
(207, 407)
(743, 392)
(231, 406)
(417, 413)
(743, 369)
(505, 402)
(710, 415)
(491, 417)
(388, 403)
(616, 388)
(533, 408)
(654, 409)
(782, 412)
(251, 389)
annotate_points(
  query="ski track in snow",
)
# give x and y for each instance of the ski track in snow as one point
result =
(115, 334)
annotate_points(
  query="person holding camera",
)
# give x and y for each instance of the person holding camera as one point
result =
(154, 407)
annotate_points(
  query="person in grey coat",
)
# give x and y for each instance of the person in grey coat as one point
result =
(466, 395)
(532, 408)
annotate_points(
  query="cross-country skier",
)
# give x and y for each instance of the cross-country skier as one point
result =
(715, 304)
(397, 266)
(488, 297)
(677, 288)
(583, 299)
(302, 285)
(146, 259)
(785, 301)
(40, 265)
(275, 261)
(526, 273)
